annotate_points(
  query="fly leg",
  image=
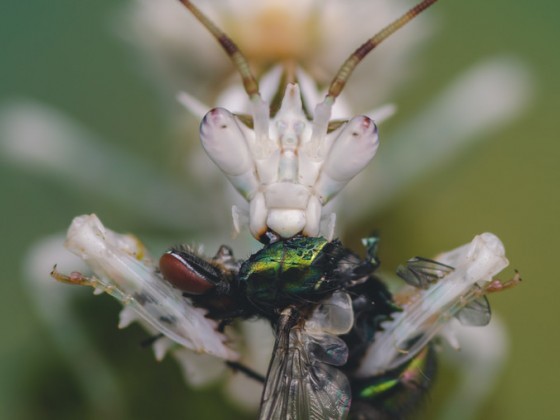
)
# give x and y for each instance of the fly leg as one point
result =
(250, 373)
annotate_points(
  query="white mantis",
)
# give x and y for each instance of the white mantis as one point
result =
(289, 165)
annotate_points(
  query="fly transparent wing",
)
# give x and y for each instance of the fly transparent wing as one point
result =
(301, 381)
(476, 313)
(422, 272)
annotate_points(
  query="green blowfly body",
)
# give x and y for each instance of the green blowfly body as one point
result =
(314, 289)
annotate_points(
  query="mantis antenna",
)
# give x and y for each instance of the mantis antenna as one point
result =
(249, 81)
(357, 56)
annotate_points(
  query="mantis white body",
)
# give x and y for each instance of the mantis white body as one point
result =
(287, 166)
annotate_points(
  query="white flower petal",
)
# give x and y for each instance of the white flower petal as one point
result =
(199, 369)
(484, 98)
(483, 355)
(41, 140)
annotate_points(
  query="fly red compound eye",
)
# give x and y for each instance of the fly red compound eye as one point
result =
(187, 272)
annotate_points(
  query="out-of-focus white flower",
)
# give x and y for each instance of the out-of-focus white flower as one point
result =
(43, 141)
(257, 342)
(482, 99)
(480, 361)
(317, 35)
(94, 375)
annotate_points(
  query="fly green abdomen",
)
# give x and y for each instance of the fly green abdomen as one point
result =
(396, 393)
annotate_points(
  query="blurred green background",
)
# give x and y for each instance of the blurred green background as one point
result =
(65, 53)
